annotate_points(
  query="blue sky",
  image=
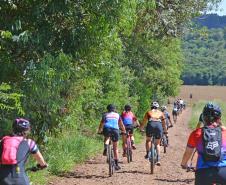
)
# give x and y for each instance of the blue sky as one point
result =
(222, 8)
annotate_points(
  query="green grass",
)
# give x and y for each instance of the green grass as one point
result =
(197, 110)
(63, 153)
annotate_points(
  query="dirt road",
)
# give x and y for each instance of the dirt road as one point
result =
(95, 171)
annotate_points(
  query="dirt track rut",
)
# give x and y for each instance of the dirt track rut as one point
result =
(95, 171)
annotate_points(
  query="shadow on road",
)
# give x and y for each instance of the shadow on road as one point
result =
(135, 172)
(187, 181)
(81, 176)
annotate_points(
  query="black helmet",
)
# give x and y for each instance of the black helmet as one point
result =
(111, 108)
(154, 105)
(21, 125)
(211, 112)
(127, 107)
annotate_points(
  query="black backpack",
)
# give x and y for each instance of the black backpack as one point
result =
(212, 141)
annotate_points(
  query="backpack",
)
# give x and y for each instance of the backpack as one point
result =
(212, 141)
(10, 150)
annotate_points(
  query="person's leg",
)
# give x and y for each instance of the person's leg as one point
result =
(205, 176)
(115, 137)
(124, 145)
(221, 175)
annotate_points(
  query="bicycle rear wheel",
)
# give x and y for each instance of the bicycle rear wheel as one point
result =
(164, 143)
(152, 157)
(110, 159)
(129, 151)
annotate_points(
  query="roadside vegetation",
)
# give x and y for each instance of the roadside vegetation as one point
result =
(197, 110)
(62, 62)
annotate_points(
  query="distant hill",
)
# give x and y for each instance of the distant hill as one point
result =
(211, 21)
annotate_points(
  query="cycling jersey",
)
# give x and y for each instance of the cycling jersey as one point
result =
(195, 141)
(111, 120)
(128, 118)
(15, 173)
(154, 115)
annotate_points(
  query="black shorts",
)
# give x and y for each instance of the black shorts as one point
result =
(154, 128)
(129, 128)
(208, 176)
(174, 113)
(111, 132)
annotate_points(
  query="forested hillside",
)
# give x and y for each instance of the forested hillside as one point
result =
(205, 56)
(211, 21)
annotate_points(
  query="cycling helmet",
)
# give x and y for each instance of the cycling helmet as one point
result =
(21, 125)
(163, 108)
(154, 105)
(211, 112)
(111, 108)
(127, 108)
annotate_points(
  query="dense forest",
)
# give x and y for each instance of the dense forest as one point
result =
(205, 52)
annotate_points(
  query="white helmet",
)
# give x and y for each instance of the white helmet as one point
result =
(155, 105)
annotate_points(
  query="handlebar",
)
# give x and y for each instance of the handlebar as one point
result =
(36, 168)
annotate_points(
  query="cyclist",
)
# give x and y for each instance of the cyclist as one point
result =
(128, 119)
(109, 126)
(208, 171)
(167, 117)
(14, 152)
(175, 113)
(155, 126)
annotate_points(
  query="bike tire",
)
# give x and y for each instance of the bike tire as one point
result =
(129, 151)
(164, 143)
(113, 161)
(109, 159)
(152, 160)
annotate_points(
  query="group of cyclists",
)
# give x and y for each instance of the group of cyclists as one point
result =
(156, 120)
(208, 140)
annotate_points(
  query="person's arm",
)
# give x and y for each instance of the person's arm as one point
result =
(198, 124)
(145, 119)
(164, 123)
(101, 125)
(187, 155)
(39, 158)
(121, 126)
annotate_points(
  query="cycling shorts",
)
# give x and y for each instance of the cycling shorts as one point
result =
(174, 113)
(111, 132)
(129, 128)
(154, 128)
(209, 176)
(9, 176)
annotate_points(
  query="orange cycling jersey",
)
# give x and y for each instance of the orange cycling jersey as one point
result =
(154, 115)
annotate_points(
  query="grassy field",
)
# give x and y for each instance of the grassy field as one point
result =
(206, 93)
(200, 96)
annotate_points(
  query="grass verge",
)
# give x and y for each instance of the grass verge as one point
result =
(197, 110)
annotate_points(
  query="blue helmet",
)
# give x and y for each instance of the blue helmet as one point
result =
(211, 112)
(21, 125)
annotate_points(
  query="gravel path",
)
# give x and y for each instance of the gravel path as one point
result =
(95, 171)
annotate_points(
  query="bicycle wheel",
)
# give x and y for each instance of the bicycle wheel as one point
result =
(164, 143)
(113, 161)
(109, 159)
(129, 151)
(152, 157)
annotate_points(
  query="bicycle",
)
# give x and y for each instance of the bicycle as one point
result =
(164, 142)
(129, 153)
(152, 155)
(110, 155)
